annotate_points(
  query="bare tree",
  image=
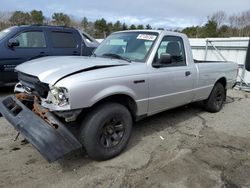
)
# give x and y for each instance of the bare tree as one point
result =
(4, 19)
(74, 22)
(4, 16)
(245, 23)
(1, 16)
(220, 18)
(235, 25)
(240, 23)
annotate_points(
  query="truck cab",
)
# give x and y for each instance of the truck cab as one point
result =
(23, 43)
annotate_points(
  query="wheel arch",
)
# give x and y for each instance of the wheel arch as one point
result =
(121, 98)
(118, 93)
(223, 81)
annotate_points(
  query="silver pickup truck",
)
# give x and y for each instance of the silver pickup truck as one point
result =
(67, 103)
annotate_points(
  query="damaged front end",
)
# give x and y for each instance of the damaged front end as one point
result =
(38, 125)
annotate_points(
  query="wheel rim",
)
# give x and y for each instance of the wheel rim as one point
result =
(219, 99)
(112, 132)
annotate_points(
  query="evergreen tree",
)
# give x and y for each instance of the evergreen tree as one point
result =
(61, 19)
(117, 26)
(124, 27)
(85, 24)
(101, 28)
(148, 26)
(132, 27)
(140, 27)
(36, 17)
(20, 18)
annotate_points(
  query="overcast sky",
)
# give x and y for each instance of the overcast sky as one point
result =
(158, 13)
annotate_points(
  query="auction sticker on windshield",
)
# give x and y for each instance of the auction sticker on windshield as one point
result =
(146, 37)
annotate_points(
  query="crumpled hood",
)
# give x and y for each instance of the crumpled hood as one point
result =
(51, 69)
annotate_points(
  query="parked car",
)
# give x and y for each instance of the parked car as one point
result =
(22, 43)
(132, 75)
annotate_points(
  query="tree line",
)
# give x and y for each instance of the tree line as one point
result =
(221, 25)
(99, 28)
(217, 25)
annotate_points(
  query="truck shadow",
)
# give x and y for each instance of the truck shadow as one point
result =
(164, 120)
(149, 126)
(168, 120)
(146, 127)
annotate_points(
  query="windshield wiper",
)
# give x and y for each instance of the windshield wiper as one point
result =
(116, 56)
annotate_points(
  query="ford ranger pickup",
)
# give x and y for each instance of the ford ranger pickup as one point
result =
(63, 104)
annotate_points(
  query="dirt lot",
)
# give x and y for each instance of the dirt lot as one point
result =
(184, 147)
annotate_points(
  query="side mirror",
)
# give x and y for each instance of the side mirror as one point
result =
(13, 42)
(165, 59)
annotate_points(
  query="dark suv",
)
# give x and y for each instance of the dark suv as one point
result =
(22, 43)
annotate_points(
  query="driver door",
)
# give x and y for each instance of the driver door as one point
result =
(171, 85)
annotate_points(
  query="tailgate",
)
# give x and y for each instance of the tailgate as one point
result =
(52, 142)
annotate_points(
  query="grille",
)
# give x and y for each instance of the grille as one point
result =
(34, 84)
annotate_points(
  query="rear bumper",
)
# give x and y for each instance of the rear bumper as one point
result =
(53, 142)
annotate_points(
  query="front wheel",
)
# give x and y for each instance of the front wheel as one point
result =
(216, 98)
(106, 130)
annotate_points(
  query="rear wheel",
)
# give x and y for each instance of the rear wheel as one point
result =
(216, 98)
(106, 130)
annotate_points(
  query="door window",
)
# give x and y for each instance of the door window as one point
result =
(31, 39)
(174, 46)
(63, 40)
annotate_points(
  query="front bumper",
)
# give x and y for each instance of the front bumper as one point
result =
(53, 142)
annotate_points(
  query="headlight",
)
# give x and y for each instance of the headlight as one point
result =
(59, 96)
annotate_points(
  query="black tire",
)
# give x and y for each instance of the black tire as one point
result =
(216, 98)
(106, 130)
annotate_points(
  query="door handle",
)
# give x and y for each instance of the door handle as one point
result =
(43, 54)
(139, 81)
(188, 73)
(75, 53)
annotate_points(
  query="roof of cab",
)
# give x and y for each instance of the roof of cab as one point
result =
(45, 26)
(164, 32)
(143, 30)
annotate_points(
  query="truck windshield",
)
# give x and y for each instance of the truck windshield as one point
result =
(132, 46)
(5, 32)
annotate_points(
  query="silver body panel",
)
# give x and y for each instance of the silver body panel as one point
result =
(163, 88)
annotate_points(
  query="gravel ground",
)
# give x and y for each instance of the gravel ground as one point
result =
(184, 147)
